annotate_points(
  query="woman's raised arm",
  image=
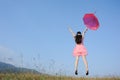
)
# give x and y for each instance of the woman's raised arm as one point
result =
(85, 30)
(73, 34)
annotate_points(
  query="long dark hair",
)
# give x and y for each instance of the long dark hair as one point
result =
(78, 38)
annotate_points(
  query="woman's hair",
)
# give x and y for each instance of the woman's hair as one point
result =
(78, 38)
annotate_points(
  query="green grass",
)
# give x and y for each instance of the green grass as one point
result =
(30, 76)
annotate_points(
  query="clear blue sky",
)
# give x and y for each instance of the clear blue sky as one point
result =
(34, 34)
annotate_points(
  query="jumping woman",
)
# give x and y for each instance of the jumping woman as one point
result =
(79, 49)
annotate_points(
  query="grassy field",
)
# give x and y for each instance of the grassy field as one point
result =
(29, 76)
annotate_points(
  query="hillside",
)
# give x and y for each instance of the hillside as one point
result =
(9, 68)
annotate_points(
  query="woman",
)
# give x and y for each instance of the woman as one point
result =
(79, 49)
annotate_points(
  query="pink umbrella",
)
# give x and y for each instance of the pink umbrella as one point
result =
(91, 21)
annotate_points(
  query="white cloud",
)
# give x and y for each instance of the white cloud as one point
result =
(7, 55)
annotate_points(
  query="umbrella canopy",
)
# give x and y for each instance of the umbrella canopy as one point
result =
(91, 21)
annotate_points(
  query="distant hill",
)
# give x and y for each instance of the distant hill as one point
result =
(8, 68)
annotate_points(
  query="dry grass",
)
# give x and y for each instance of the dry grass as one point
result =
(30, 76)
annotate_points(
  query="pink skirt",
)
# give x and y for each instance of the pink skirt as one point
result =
(79, 50)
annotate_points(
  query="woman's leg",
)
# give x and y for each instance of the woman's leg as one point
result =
(86, 64)
(76, 64)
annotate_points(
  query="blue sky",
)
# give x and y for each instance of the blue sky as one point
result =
(34, 34)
